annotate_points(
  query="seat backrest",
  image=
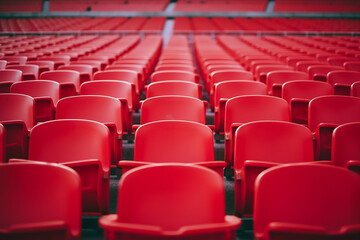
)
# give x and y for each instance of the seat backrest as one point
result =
(333, 110)
(345, 143)
(352, 66)
(29, 71)
(225, 75)
(182, 88)
(173, 141)
(35, 88)
(282, 76)
(321, 70)
(343, 77)
(172, 108)
(63, 76)
(171, 196)
(274, 142)
(17, 107)
(174, 75)
(300, 197)
(355, 89)
(305, 89)
(15, 60)
(28, 201)
(10, 75)
(250, 108)
(262, 70)
(67, 140)
(102, 109)
(234, 88)
(111, 88)
(302, 66)
(122, 75)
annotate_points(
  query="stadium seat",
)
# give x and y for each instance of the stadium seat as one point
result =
(261, 71)
(44, 65)
(29, 71)
(174, 75)
(7, 78)
(123, 75)
(82, 145)
(103, 109)
(229, 89)
(58, 60)
(352, 66)
(170, 201)
(69, 81)
(275, 80)
(263, 144)
(18, 119)
(86, 71)
(45, 94)
(320, 72)
(39, 201)
(341, 81)
(118, 89)
(294, 202)
(244, 109)
(325, 114)
(173, 141)
(298, 94)
(345, 151)
(225, 75)
(172, 108)
(174, 87)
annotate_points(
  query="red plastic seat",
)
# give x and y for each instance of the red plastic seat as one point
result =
(275, 80)
(302, 66)
(225, 75)
(244, 109)
(15, 60)
(69, 81)
(174, 141)
(118, 89)
(345, 151)
(294, 202)
(355, 89)
(17, 116)
(86, 71)
(45, 94)
(325, 114)
(171, 201)
(229, 89)
(103, 109)
(180, 67)
(123, 75)
(82, 145)
(29, 71)
(174, 75)
(181, 88)
(133, 67)
(173, 108)
(298, 94)
(261, 71)
(261, 145)
(341, 81)
(7, 78)
(58, 60)
(320, 72)
(30, 209)
(352, 66)
(44, 65)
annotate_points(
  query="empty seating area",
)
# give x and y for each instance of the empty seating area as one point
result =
(188, 119)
